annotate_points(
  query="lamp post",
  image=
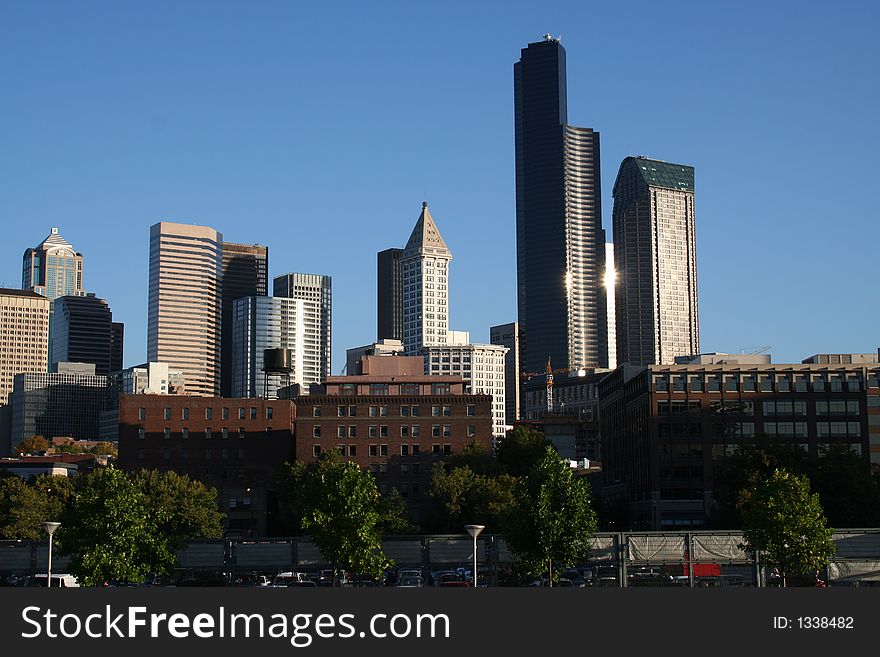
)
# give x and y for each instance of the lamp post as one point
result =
(474, 531)
(50, 528)
(251, 500)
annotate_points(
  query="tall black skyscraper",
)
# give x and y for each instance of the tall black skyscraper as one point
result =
(82, 332)
(560, 243)
(389, 295)
(245, 274)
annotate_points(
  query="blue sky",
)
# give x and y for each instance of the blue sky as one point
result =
(319, 128)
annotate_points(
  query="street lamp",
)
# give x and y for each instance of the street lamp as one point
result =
(474, 531)
(50, 528)
(251, 500)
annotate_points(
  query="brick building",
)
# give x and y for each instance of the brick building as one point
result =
(235, 445)
(665, 427)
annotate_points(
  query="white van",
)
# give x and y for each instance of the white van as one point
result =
(58, 581)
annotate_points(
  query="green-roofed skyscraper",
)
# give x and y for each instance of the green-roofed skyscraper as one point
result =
(656, 262)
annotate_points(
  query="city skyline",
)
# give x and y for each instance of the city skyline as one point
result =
(744, 113)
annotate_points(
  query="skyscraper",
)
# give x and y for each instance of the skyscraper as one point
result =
(117, 346)
(389, 295)
(610, 283)
(559, 236)
(52, 268)
(245, 273)
(24, 336)
(425, 267)
(183, 322)
(656, 262)
(82, 332)
(507, 335)
(316, 291)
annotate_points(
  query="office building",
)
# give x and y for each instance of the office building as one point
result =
(24, 336)
(66, 403)
(507, 335)
(656, 262)
(117, 346)
(261, 323)
(481, 366)
(559, 237)
(245, 273)
(425, 266)
(53, 268)
(384, 347)
(82, 332)
(389, 295)
(667, 428)
(316, 291)
(183, 322)
(610, 304)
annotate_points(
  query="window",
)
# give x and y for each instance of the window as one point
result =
(447, 411)
(383, 431)
(341, 450)
(352, 431)
(661, 384)
(316, 431)
(471, 410)
(783, 384)
(167, 413)
(836, 383)
(853, 383)
(141, 433)
(447, 430)
(316, 451)
(472, 430)
(383, 411)
(409, 388)
(241, 433)
(435, 430)
(404, 411)
(414, 411)
(348, 389)
(373, 411)
(435, 449)
(352, 450)
(404, 431)
(208, 434)
(404, 450)
(316, 411)
(435, 411)
(713, 384)
(748, 383)
(766, 384)
(415, 431)
(696, 384)
(241, 414)
(415, 452)
(209, 413)
(800, 383)
(678, 384)
(352, 411)
(819, 384)
(340, 431)
(225, 433)
(142, 413)
(340, 411)
(440, 388)
(378, 388)
(269, 411)
(184, 413)
(373, 431)
(224, 413)
(268, 432)
(383, 450)
(374, 450)
(731, 384)
(447, 449)
(184, 433)
(253, 413)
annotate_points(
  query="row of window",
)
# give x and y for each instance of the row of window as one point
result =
(402, 389)
(763, 382)
(208, 433)
(381, 431)
(380, 450)
(771, 408)
(209, 413)
(404, 411)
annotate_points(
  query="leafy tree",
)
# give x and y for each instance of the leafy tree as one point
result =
(786, 523)
(338, 505)
(25, 506)
(478, 457)
(521, 449)
(552, 519)
(393, 517)
(32, 445)
(461, 496)
(849, 493)
(189, 508)
(112, 532)
(99, 449)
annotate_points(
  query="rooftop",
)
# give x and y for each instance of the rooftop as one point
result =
(657, 173)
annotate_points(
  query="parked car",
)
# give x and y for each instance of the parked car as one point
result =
(61, 580)
(285, 578)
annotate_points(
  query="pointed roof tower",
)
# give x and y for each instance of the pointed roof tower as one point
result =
(425, 238)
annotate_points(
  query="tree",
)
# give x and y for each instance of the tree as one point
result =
(786, 523)
(462, 496)
(25, 506)
(393, 518)
(338, 505)
(32, 445)
(552, 519)
(521, 449)
(111, 531)
(189, 508)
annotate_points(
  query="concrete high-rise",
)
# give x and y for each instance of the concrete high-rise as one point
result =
(24, 336)
(316, 290)
(559, 236)
(183, 322)
(117, 346)
(82, 332)
(610, 284)
(425, 266)
(53, 268)
(389, 295)
(507, 335)
(245, 273)
(656, 262)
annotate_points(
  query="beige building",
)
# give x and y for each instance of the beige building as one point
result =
(183, 322)
(24, 336)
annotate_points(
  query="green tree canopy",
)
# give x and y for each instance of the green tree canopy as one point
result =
(338, 505)
(188, 507)
(786, 523)
(25, 506)
(461, 496)
(521, 449)
(32, 445)
(552, 519)
(111, 532)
